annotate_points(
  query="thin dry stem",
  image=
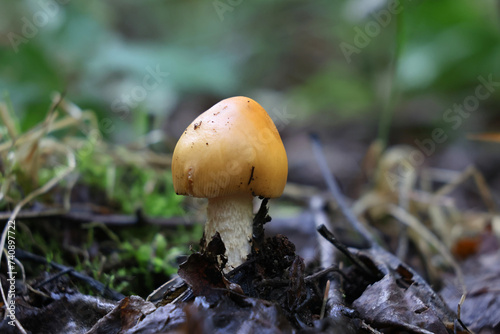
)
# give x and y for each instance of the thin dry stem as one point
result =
(410, 220)
(7, 120)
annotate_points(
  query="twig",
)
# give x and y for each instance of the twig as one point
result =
(98, 286)
(175, 283)
(337, 195)
(327, 253)
(369, 328)
(277, 281)
(56, 276)
(108, 219)
(341, 247)
(27, 214)
(323, 272)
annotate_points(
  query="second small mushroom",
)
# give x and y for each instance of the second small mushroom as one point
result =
(229, 154)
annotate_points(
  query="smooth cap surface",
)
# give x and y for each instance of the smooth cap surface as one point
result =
(232, 148)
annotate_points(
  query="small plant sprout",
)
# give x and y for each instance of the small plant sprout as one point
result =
(229, 154)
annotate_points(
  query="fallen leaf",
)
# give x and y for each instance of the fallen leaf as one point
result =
(385, 304)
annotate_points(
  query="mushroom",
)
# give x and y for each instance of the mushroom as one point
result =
(229, 154)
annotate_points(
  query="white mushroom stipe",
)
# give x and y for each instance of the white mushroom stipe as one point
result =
(232, 217)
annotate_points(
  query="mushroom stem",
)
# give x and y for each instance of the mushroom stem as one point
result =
(232, 217)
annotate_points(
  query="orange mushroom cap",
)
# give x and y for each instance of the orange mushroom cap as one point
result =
(232, 148)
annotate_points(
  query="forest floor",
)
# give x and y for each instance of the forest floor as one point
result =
(397, 247)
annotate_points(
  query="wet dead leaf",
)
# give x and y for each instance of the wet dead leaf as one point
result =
(224, 316)
(69, 313)
(124, 316)
(481, 309)
(385, 304)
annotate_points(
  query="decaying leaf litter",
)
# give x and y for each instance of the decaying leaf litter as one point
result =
(358, 286)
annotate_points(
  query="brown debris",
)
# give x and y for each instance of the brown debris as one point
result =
(69, 313)
(385, 304)
(202, 272)
(124, 316)
(481, 309)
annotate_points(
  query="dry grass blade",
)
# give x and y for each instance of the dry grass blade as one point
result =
(338, 196)
(325, 299)
(428, 236)
(425, 233)
(7, 120)
(471, 171)
(52, 124)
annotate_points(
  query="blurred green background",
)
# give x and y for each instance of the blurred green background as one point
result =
(365, 59)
